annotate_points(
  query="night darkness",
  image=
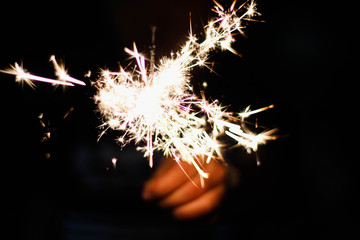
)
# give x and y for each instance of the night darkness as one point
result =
(66, 187)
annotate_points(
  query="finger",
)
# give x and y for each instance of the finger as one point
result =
(165, 165)
(202, 205)
(163, 184)
(189, 190)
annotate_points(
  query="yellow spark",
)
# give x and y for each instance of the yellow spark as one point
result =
(247, 111)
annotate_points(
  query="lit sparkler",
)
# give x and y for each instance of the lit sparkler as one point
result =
(160, 109)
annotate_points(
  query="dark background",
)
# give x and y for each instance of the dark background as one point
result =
(298, 59)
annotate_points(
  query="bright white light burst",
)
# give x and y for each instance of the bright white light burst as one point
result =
(158, 109)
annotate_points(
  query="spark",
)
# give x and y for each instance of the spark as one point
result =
(114, 161)
(247, 111)
(46, 127)
(68, 112)
(158, 109)
(61, 73)
(21, 75)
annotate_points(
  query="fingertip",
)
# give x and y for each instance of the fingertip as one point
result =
(201, 206)
(148, 193)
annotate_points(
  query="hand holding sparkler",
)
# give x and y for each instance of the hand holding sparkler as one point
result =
(157, 108)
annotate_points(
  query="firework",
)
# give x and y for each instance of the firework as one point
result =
(158, 110)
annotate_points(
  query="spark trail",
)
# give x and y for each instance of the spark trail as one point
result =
(21, 75)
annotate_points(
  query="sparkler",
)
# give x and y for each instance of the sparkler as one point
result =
(159, 109)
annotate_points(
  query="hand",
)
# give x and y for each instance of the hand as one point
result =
(174, 190)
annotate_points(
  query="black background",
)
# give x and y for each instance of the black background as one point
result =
(297, 59)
